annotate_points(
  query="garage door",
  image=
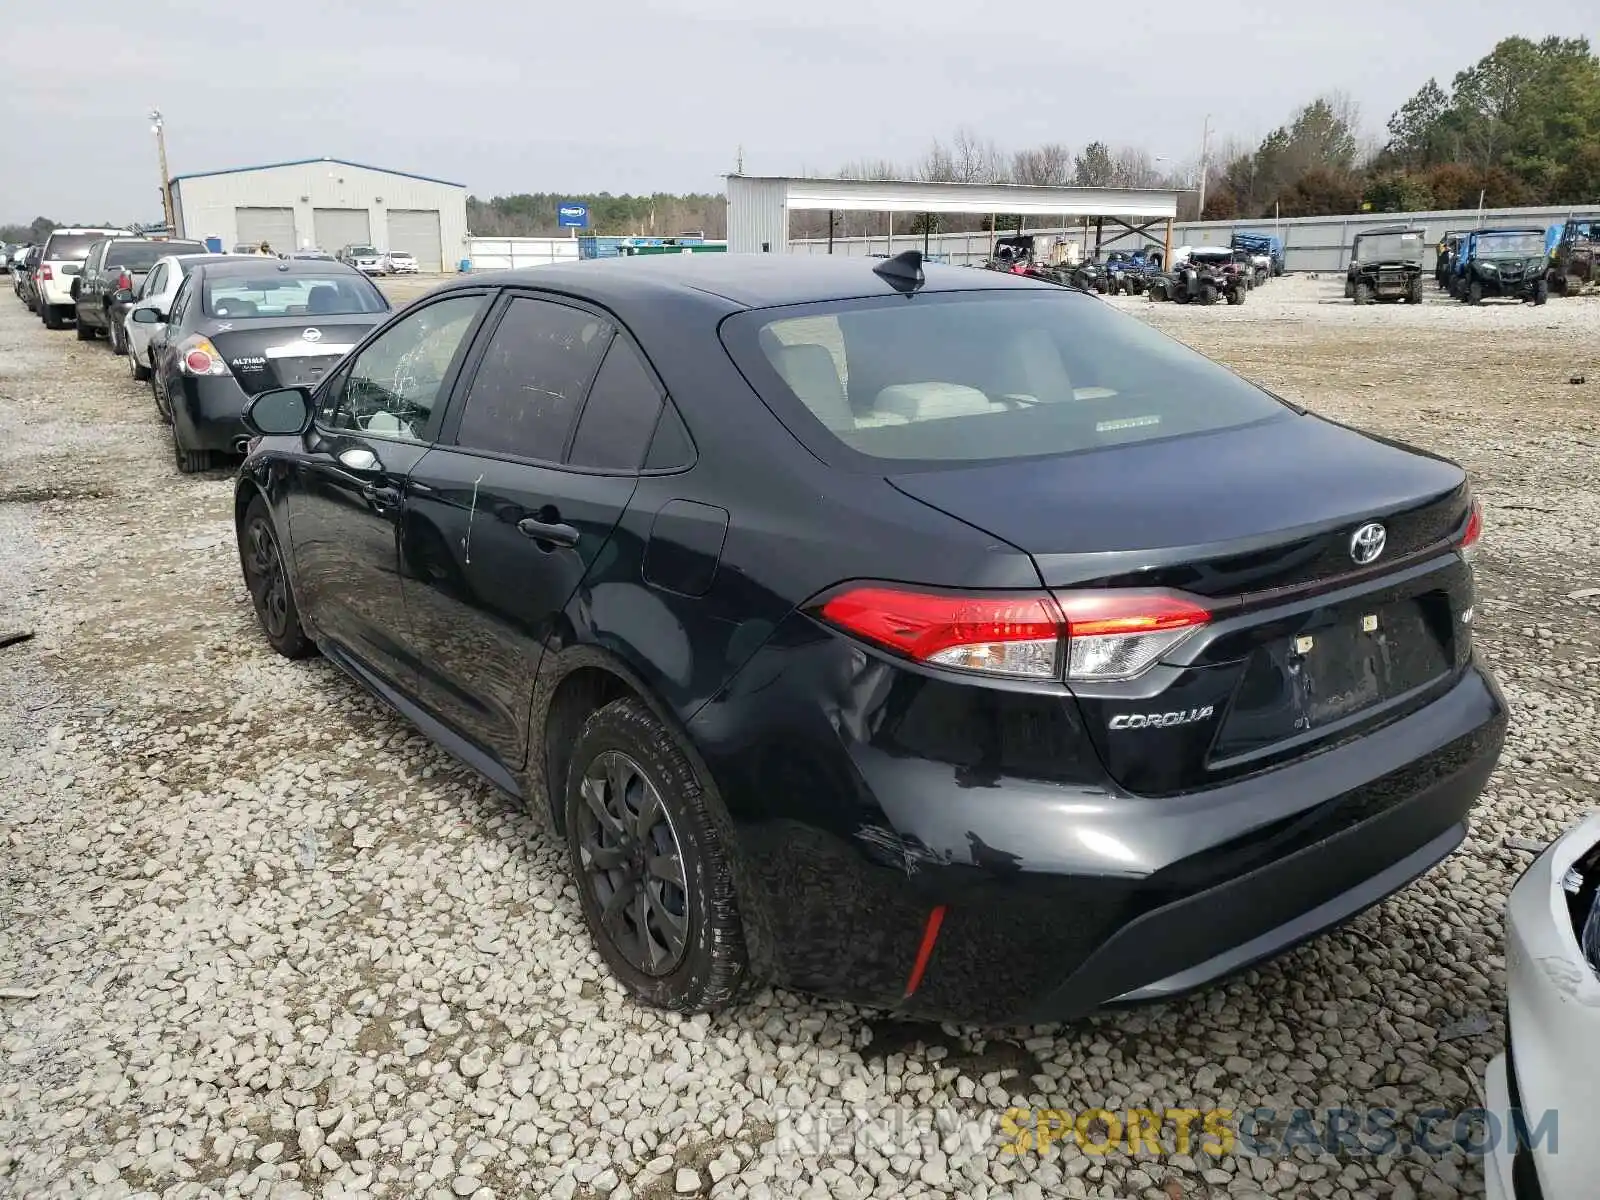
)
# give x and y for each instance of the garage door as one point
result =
(274, 226)
(340, 227)
(416, 230)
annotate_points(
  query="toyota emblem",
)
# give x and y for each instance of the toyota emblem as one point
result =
(315, 335)
(1367, 543)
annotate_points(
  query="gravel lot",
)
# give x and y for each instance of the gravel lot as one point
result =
(258, 938)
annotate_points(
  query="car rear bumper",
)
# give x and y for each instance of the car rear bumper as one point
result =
(210, 412)
(1552, 1058)
(1055, 897)
(55, 291)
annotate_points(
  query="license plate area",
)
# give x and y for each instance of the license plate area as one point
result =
(1337, 664)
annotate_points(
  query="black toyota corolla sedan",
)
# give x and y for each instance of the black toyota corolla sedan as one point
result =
(238, 326)
(935, 639)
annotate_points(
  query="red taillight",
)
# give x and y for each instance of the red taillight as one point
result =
(44, 272)
(1117, 634)
(994, 634)
(1107, 635)
(125, 282)
(1473, 531)
(198, 361)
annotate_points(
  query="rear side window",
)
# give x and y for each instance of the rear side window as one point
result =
(141, 256)
(69, 247)
(620, 414)
(978, 376)
(533, 377)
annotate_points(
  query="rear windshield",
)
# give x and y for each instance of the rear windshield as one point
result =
(141, 256)
(273, 295)
(978, 376)
(70, 247)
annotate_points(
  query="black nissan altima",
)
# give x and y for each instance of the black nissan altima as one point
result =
(935, 639)
(238, 326)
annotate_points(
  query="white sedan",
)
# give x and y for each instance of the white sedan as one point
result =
(398, 262)
(1550, 1071)
(159, 287)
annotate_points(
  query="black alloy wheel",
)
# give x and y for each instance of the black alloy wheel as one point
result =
(647, 843)
(268, 583)
(633, 864)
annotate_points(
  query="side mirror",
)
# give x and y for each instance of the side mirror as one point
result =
(72, 268)
(122, 296)
(148, 316)
(281, 412)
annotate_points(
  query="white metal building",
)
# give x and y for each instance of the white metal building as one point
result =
(759, 206)
(328, 203)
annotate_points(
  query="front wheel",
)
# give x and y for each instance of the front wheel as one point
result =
(1541, 291)
(1236, 295)
(261, 558)
(1475, 292)
(1362, 294)
(651, 863)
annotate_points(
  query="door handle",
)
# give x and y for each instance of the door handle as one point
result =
(545, 531)
(382, 495)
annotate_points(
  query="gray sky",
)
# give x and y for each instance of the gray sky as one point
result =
(645, 95)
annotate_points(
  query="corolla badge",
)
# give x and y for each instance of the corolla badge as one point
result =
(315, 335)
(1367, 543)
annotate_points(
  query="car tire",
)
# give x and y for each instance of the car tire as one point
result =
(1208, 293)
(140, 371)
(633, 798)
(1236, 296)
(1361, 294)
(266, 578)
(1475, 292)
(1414, 291)
(114, 335)
(50, 317)
(1541, 291)
(188, 462)
(84, 330)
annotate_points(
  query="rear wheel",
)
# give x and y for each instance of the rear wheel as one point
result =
(50, 314)
(651, 864)
(1236, 295)
(187, 461)
(267, 581)
(115, 335)
(84, 330)
(1208, 293)
(138, 370)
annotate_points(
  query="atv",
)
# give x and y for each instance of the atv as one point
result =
(1575, 257)
(1501, 262)
(1197, 281)
(1385, 265)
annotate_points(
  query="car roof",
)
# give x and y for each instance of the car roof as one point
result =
(254, 264)
(1512, 229)
(740, 280)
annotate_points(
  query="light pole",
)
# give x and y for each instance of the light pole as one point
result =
(158, 127)
(1205, 145)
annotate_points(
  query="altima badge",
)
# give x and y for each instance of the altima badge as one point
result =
(312, 335)
(1367, 543)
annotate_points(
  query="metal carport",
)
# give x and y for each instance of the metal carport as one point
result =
(759, 206)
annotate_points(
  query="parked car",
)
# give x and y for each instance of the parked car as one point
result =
(363, 258)
(64, 253)
(310, 254)
(25, 279)
(236, 328)
(1385, 265)
(398, 262)
(1501, 262)
(139, 339)
(567, 520)
(1551, 1062)
(113, 270)
(1575, 258)
(7, 250)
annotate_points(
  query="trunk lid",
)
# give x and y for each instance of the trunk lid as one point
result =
(287, 351)
(1304, 645)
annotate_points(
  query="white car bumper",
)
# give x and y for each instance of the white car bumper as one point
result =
(1551, 1068)
(370, 268)
(57, 290)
